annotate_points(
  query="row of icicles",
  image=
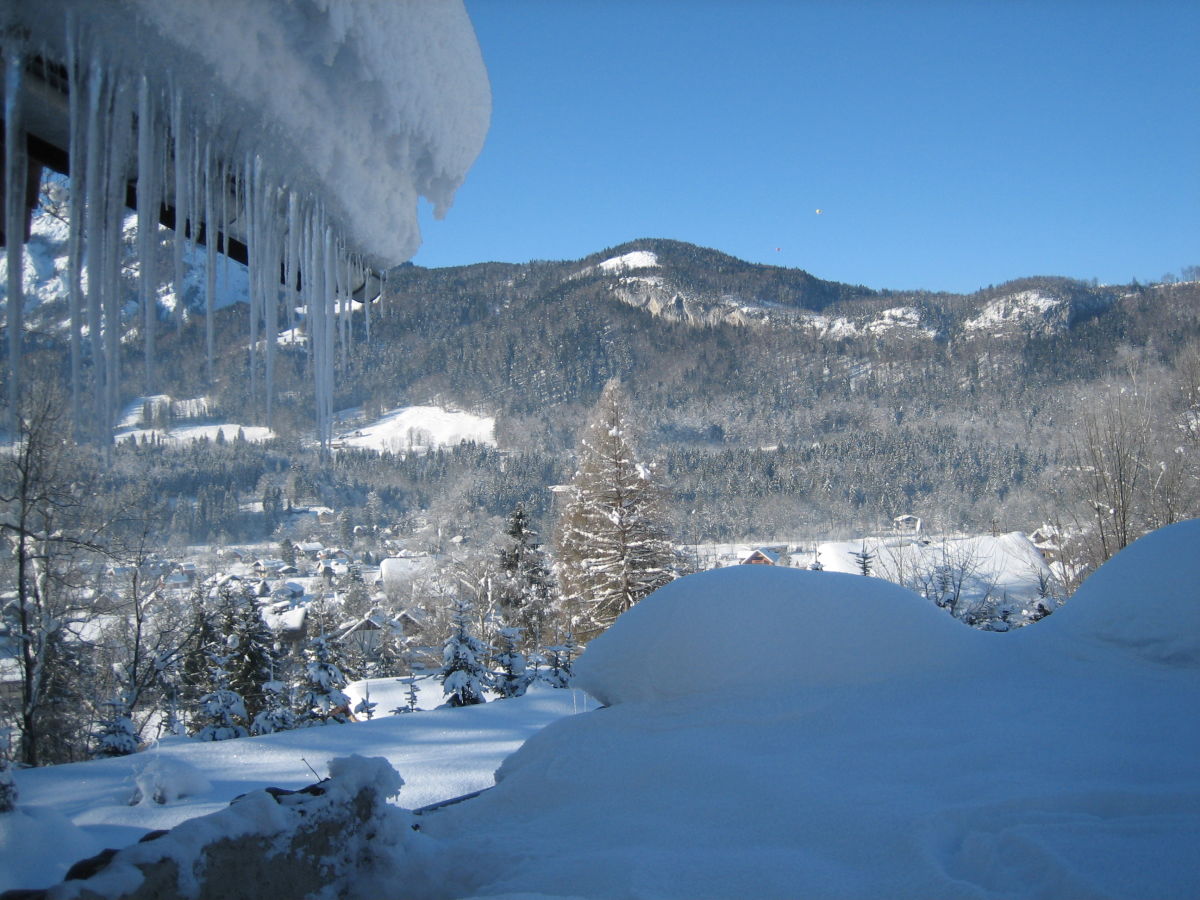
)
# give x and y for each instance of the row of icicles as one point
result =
(125, 129)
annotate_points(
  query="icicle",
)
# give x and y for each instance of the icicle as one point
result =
(15, 175)
(94, 232)
(328, 328)
(149, 199)
(120, 145)
(250, 216)
(182, 168)
(367, 313)
(75, 234)
(210, 265)
(291, 259)
(272, 258)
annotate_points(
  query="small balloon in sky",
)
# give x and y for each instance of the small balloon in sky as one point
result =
(820, 211)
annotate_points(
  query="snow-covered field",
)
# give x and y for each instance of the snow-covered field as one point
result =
(776, 732)
(68, 812)
(417, 429)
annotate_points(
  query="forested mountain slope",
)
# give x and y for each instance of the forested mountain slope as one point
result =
(768, 396)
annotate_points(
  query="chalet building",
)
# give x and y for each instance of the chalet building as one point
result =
(767, 556)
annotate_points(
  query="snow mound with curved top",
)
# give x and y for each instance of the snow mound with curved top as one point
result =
(757, 627)
(1144, 602)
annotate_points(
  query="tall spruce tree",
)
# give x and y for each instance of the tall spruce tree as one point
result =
(463, 674)
(524, 587)
(612, 548)
(320, 698)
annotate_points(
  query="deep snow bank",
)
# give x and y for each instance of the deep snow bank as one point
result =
(1144, 603)
(776, 734)
(762, 627)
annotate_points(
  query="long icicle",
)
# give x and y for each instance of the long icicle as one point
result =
(148, 202)
(210, 263)
(94, 229)
(119, 150)
(75, 201)
(15, 176)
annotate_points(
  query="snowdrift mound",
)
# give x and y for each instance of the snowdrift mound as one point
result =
(873, 748)
(750, 627)
(1144, 602)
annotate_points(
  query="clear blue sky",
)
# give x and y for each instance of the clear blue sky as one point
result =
(950, 145)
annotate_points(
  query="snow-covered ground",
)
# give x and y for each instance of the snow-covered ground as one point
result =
(188, 424)
(416, 429)
(1006, 569)
(776, 732)
(72, 811)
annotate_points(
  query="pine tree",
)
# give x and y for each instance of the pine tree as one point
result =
(250, 649)
(558, 660)
(364, 709)
(511, 678)
(865, 559)
(275, 715)
(524, 588)
(117, 735)
(8, 787)
(463, 676)
(222, 713)
(321, 699)
(612, 548)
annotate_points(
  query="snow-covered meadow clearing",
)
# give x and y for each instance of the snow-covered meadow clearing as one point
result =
(778, 733)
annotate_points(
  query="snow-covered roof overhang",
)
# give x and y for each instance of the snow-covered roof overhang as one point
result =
(362, 105)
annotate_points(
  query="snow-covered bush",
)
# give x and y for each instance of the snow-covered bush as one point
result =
(117, 735)
(222, 713)
(463, 675)
(276, 715)
(511, 677)
(559, 661)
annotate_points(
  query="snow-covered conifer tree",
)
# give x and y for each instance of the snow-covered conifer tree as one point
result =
(558, 663)
(117, 735)
(364, 709)
(864, 558)
(221, 713)
(249, 647)
(8, 787)
(276, 715)
(511, 677)
(524, 588)
(320, 697)
(463, 675)
(612, 548)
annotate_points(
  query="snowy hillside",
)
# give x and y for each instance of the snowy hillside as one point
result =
(836, 738)
(416, 429)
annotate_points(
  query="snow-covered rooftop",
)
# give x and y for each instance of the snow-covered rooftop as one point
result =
(368, 104)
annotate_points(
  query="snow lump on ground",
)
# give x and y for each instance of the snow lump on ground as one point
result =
(779, 752)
